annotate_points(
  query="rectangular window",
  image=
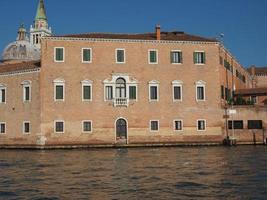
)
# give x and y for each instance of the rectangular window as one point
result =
(2, 95)
(154, 125)
(200, 93)
(153, 57)
(178, 125)
(254, 124)
(2, 128)
(176, 57)
(201, 125)
(59, 93)
(59, 54)
(177, 93)
(254, 99)
(109, 92)
(87, 126)
(86, 92)
(120, 56)
(86, 55)
(59, 127)
(222, 91)
(153, 93)
(238, 124)
(26, 127)
(199, 57)
(26, 93)
(132, 92)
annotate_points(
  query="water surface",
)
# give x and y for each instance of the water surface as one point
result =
(141, 173)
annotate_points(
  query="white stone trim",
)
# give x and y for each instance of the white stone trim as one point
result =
(87, 83)
(59, 82)
(25, 84)
(154, 131)
(59, 61)
(55, 126)
(20, 72)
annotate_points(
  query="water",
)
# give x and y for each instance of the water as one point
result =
(142, 173)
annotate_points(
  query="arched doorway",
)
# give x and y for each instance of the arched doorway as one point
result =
(121, 130)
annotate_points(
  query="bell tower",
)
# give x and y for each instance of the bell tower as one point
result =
(40, 27)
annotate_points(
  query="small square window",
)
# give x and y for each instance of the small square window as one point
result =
(199, 57)
(154, 125)
(86, 55)
(120, 56)
(59, 127)
(2, 128)
(26, 127)
(59, 54)
(87, 126)
(178, 125)
(201, 125)
(153, 57)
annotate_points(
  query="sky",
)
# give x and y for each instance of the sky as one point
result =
(243, 22)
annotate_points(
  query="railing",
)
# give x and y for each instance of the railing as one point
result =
(120, 102)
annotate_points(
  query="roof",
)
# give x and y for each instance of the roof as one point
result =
(171, 36)
(40, 14)
(259, 71)
(261, 91)
(21, 66)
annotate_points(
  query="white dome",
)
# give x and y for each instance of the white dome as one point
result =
(21, 50)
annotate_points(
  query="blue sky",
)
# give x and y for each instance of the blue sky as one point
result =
(243, 22)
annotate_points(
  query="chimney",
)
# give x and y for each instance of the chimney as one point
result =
(253, 72)
(158, 32)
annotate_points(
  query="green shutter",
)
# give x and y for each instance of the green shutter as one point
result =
(204, 58)
(132, 92)
(195, 57)
(181, 57)
(59, 54)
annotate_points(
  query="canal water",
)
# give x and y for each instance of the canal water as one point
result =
(141, 173)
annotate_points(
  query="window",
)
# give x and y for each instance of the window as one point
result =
(109, 92)
(177, 90)
(120, 88)
(59, 54)
(2, 127)
(154, 125)
(120, 55)
(201, 125)
(199, 57)
(2, 94)
(200, 91)
(176, 57)
(59, 90)
(59, 127)
(86, 55)
(178, 125)
(153, 56)
(153, 93)
(87, 126)
(26, 91)
(254, 99)
(132, 93)
(87, 90)
(238, 124)
(26, 127)
(222, 92)
(254, 124)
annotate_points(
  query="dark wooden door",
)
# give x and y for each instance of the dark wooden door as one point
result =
(121, 129)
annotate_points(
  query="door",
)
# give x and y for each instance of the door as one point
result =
(121, 129)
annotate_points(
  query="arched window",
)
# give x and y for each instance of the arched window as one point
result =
(120, 88)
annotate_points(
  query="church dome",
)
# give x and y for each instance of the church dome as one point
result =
(21, 49)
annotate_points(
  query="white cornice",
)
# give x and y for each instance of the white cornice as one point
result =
(21, 72)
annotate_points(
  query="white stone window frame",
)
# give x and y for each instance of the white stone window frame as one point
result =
(55, 126)
(87, 83)
(91, 55)
(83, 131)
(173, 51)
(177, 83)
(201, 84)
(5, 128)
(23, 128)
(199, 51)
(116, 55)
(3, 87)
(55, 59)
(59, 82)
(182, 125)
(112, 82)
(151, 84)
(26, 84)
(157, 56)
(205, 123)
(150, 126)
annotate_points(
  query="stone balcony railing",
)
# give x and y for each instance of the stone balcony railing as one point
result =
(121, 102)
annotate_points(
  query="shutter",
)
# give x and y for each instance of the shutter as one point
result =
(204, 58)
(195, 57)
(181, 57)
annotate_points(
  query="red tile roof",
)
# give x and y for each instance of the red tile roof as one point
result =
(21, 66)
(259, 71)
(261, 91)
(171, 36)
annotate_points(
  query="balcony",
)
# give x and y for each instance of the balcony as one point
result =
(121, 102)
